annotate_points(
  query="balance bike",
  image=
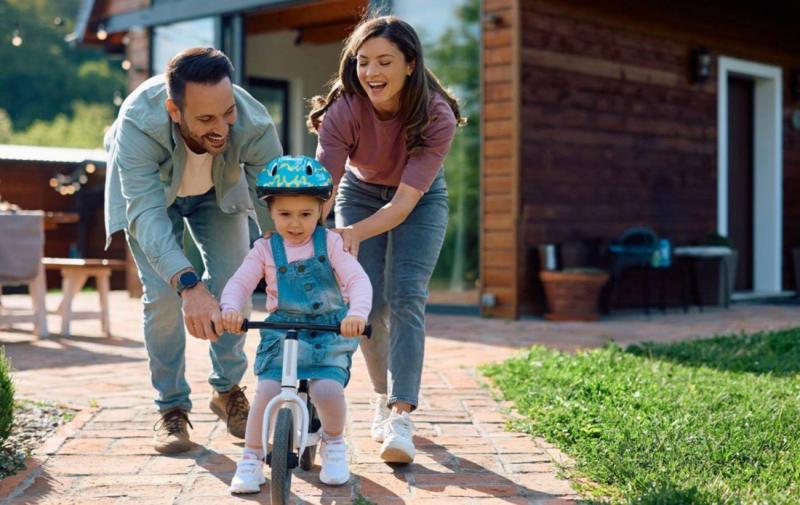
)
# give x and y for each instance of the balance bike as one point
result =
(290, 416)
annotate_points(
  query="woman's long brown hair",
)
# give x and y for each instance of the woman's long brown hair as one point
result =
(416, 92)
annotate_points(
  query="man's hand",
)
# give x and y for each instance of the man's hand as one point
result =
(232, 321)
(201, 313)
(353, 326)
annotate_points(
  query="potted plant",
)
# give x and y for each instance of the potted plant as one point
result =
(572, 294)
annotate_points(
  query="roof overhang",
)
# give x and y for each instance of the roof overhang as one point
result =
(182, 10)
(52, 154)
(82, 23)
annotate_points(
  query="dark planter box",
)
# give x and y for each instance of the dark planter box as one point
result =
(712, 284)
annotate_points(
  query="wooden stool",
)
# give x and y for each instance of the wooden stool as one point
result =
(74, 274)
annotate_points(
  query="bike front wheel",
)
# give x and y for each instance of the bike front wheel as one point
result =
(281, 459)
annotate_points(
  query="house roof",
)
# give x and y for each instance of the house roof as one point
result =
(82, 22)
(51, 154)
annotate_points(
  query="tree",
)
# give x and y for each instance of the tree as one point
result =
(84, 128)
(43, 76)
(454, 57)
(5, 127)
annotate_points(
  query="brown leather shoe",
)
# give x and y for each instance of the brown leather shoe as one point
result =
(172, 434)
(232, 407)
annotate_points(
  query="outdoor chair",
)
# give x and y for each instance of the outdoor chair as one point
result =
(21, 251)
(634, 249)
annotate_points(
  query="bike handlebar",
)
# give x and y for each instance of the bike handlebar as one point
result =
(249, 325)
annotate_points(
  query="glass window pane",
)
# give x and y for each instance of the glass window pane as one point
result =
(169, 40)
(274, 95)
(450, 34)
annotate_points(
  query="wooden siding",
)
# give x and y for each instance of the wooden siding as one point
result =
(26, 184)
(500, 172)
(614, 133)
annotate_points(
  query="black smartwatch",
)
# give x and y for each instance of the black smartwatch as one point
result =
(187, 280)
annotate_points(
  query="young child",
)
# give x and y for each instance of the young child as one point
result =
(309, 279)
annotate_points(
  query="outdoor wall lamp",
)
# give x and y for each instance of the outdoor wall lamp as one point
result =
(493, 21)
(701, 65)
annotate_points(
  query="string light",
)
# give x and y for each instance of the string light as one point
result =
(126, 64)
(16, 37)
(71, 183)
(102, 34)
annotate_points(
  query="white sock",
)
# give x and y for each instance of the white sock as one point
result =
(330, 439)
(249, 453)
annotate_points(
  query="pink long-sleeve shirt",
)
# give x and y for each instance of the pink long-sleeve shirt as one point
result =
(352, 138)
(259, 262)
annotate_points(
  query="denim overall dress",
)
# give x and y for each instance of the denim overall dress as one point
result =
(308, 292)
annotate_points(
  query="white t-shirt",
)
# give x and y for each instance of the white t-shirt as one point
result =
(196, 174)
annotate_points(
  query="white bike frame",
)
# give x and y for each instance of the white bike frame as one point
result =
(288, 398)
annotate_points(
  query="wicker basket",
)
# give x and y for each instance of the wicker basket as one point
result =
(573, 295)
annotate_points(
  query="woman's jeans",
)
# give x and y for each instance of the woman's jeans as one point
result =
(399, 264)
(222, 240)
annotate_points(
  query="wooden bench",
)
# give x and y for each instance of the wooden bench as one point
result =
(74, 274)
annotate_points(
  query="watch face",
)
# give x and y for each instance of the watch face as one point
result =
(188, 279)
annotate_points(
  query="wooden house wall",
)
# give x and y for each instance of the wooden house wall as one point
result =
(615, 134)
(499, 259)
(26, 184)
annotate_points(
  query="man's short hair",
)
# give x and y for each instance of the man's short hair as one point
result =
(203, 65)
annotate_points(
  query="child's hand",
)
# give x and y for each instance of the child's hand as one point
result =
(353, 326)
(232, 321)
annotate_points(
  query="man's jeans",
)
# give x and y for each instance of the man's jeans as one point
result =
(222, 240)
(399, 264)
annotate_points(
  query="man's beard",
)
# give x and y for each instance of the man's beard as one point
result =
(196, 142)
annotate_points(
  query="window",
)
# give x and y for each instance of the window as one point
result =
(274, 95)
(169, 40)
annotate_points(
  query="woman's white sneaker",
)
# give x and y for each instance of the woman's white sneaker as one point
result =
(249, 476)
(398, 443)
(335, 470)
(379, 419)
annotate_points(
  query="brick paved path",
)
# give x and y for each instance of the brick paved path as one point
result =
(464, 455)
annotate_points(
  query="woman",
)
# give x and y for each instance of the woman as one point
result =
(384, 130)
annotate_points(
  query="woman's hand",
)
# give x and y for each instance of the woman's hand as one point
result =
(353, 326)
(232, 321)
(350, 239)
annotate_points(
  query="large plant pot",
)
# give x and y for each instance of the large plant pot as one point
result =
(572, 296)
(712, 282)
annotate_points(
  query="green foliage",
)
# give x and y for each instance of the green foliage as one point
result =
(84, 128)
(5, 127)
(6, 396)
(44, 76)
(715, 239)
(695, 422)
(455, 59)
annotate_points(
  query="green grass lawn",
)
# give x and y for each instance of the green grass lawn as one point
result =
(705, 421)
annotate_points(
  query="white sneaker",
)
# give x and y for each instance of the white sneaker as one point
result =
(398, 444)
(249, 476)
(379, 419)
(335, 470)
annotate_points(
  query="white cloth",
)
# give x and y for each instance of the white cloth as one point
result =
(196, 174)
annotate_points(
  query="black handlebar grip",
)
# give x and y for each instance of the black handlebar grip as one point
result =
(247, 325)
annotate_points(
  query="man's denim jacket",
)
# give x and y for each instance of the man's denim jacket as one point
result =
(146, 158)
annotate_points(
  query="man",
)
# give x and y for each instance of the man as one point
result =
(185, 150)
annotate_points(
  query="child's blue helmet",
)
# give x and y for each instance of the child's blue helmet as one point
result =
(294, 175)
